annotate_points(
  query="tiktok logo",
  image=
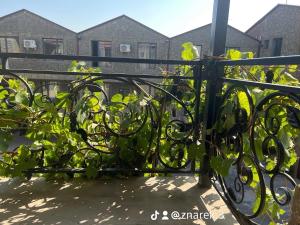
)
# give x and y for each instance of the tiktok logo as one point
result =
(154, 215)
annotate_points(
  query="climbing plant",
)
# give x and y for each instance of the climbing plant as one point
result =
(85, 130)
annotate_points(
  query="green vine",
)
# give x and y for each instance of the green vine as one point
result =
(58, 129)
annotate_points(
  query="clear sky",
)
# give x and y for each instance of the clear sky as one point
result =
(170, 17)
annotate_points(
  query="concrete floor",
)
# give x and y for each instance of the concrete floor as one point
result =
(109, 201)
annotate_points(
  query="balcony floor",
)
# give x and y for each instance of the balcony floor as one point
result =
(108, 201)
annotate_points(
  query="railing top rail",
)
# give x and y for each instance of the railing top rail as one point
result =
(99, 59)
(278, 87)
(100, 74)
(280, 60)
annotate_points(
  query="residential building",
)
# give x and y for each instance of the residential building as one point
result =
(26, 32)
(126, 38)
(279, 31)
(201, 36)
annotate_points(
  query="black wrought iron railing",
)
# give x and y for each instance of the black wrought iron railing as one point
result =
(154, 116)
(261, 138)
(175, 124)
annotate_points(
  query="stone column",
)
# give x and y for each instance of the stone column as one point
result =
(295, 214)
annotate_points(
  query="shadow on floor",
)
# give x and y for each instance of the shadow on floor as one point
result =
(110, 201)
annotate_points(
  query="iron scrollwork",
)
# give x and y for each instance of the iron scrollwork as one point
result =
(104, 124)
(259, 142)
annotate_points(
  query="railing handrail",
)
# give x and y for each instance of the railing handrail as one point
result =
(96, 74)
(98, 59)
(271, 86)
(264, 61)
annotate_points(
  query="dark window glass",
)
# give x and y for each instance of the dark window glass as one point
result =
(103, 49)
(53, 46)
(95, 52)
(266, 44)
(199, 49)
(9, 44)
(147, 51)
(277, 44)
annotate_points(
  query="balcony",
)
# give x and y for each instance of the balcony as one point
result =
(110, 201)
(84, 133)
(230, 125)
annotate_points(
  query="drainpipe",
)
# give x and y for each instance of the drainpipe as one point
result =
(77, 44)
(168, 53)
(259, 48)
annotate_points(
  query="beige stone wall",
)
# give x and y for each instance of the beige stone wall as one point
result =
(282, 22)
(201, 36)
(26, 25)
(124, 30)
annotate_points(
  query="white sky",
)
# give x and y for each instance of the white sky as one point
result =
(243, 14)
(169, 17)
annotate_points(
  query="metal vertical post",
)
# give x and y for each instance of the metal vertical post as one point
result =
(219, 27)
(4, 63)
(197, 73)
(214, 88)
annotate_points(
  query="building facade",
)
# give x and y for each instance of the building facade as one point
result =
(126, 38)
(278, 31)
(200, 37)
(24, 31)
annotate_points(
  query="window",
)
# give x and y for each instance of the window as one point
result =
(9, 44)
(266, 44)
(146, 51)
(103, 49)
(199, 49)
(276, 45)
(53, 46)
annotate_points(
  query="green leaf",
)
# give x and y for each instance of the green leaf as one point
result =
(127, 155)
(188, 52)
(62, 100)
(285, 138)
(91, 171)
(287, 78)
(48, 144)
(3, 94)
(130, 98)
(247, 55)
(117, 98)
(257, 95)
(221, 165)
(233, 54)
(61, 95)
(21, 98)
(143, 102)
(292, 68)
(256, 203)
(4, 141)
(229, 122)
(243, 100)
(276, 211)
(13, 83)
(258, 148)
(291, 158)
(196, 151)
